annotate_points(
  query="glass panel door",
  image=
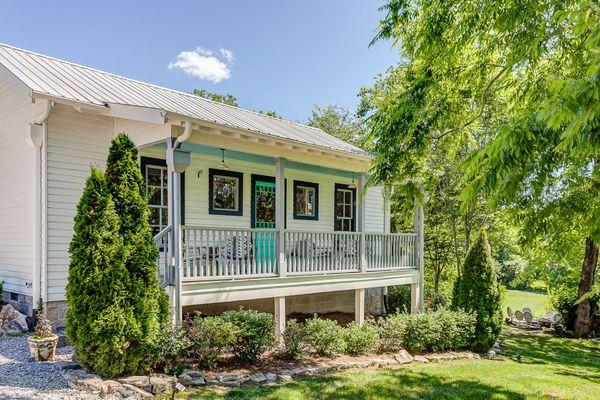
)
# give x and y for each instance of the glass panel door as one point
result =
(264, 218)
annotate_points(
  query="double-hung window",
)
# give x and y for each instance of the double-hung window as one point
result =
(306, 200)
(344, 208)
(157, 194)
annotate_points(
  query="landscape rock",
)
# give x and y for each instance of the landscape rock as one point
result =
(161, 384)
(69, 365)
(421, 359)
(404, 357)
(235, 383)
(188, 380)
(13, 322)
(270, 376)
(132, 392)
(142, 382)
(489, 354)
(82, 380)
(258, 378)
(230, 377)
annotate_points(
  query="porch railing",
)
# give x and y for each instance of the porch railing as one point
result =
(163, 240)
(221, 253)
(232, 253)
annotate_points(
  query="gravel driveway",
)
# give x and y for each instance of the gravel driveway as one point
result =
(24, 379)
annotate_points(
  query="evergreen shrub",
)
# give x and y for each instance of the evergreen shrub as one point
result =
(477, 291)
(293, 340)
(210, 337)
(256, 333)
(325, 336)
(360, 339)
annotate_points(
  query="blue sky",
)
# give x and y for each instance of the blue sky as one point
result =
(279, 55)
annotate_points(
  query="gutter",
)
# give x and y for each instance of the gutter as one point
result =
(35, 135)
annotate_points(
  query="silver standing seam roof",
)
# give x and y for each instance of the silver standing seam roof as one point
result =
(63, 79)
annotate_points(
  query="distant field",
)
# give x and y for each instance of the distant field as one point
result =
(517, 299)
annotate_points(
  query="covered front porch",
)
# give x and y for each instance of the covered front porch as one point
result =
(258, 221)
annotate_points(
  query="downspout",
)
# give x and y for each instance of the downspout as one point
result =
(175, 211)
(35, 135)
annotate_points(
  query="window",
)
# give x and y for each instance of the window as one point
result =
(225, 192)
(157, 194)
(306, 200)
(344, 208)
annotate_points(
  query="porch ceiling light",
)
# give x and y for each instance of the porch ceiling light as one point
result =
(223, 166)
(353, 184)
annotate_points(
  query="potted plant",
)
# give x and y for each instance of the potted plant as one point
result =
(42, 344)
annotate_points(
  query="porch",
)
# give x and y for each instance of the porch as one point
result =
(242, 223)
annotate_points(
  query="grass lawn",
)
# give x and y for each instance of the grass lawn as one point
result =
(550, 368)
(517, 299)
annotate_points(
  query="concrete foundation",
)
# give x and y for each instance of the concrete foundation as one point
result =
(307, 304)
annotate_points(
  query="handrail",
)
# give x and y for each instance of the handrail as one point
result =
(162, 233)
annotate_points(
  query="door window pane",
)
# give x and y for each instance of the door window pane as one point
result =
(157, 193)
(344, 209)
(225, 193)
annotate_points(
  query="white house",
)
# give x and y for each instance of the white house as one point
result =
(247, 209)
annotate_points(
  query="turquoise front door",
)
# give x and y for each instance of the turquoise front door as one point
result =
(264, 218)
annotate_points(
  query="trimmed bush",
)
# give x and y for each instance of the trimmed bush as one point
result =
(360, 339)
(256, 333)
(210, 337)
(293, 340)
(477, 291)
(148, 300)
(173, 343)
(325, 336)
(99, 317)
(429, 331)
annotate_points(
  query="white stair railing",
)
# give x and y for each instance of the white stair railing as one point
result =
(163, 241)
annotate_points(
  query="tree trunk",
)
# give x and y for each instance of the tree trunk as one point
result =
(584, 316)
(467, 219)
(455, 243)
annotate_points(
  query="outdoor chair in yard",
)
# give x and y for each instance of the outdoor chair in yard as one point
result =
(528, 317)
(519, 315)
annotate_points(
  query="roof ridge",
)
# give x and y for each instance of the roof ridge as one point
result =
(191, 95)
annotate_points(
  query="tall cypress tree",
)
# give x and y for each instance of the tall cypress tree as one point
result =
(99, 318)
(477, 291)
(148, 300)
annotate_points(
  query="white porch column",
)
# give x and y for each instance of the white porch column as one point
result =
(279, 319)
(361, 218)
(280, 214)
(359, 306)
(417, 289)
(177, 161)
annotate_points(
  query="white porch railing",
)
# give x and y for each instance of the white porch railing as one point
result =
(222, 253)
(322, 252)
(163, 241)
(234, 253)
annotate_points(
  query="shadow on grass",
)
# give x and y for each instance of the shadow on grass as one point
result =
(387, 384)
(574, 357)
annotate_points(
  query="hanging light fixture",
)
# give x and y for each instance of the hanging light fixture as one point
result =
(353, 184)
(223, 166)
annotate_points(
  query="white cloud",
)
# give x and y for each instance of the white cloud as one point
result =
(204, 64)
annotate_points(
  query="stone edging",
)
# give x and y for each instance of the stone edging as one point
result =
(145, 387)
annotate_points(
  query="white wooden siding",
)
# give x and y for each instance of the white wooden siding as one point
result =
(196, 194)
(76, 141)
(16, 195)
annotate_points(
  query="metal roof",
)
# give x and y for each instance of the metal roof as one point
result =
(62, 79)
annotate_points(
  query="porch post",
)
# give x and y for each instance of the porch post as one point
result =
(279, 319)
(280, 214)
(417, 288)
(361, 218)
(177, 162)
(359, 306)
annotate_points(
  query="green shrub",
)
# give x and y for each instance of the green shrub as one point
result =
(210, 337)
(173, 343)
(429, 331)
(148, 300)
(324, 336)
(477, 291)
(293, 340)
(360, 339)
(256, 333)
(99, 316)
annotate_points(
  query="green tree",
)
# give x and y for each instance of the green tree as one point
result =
(146, 297)
(339, 122)
(99, 317)
(519, 80)
(477, 291)
(226, 98)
